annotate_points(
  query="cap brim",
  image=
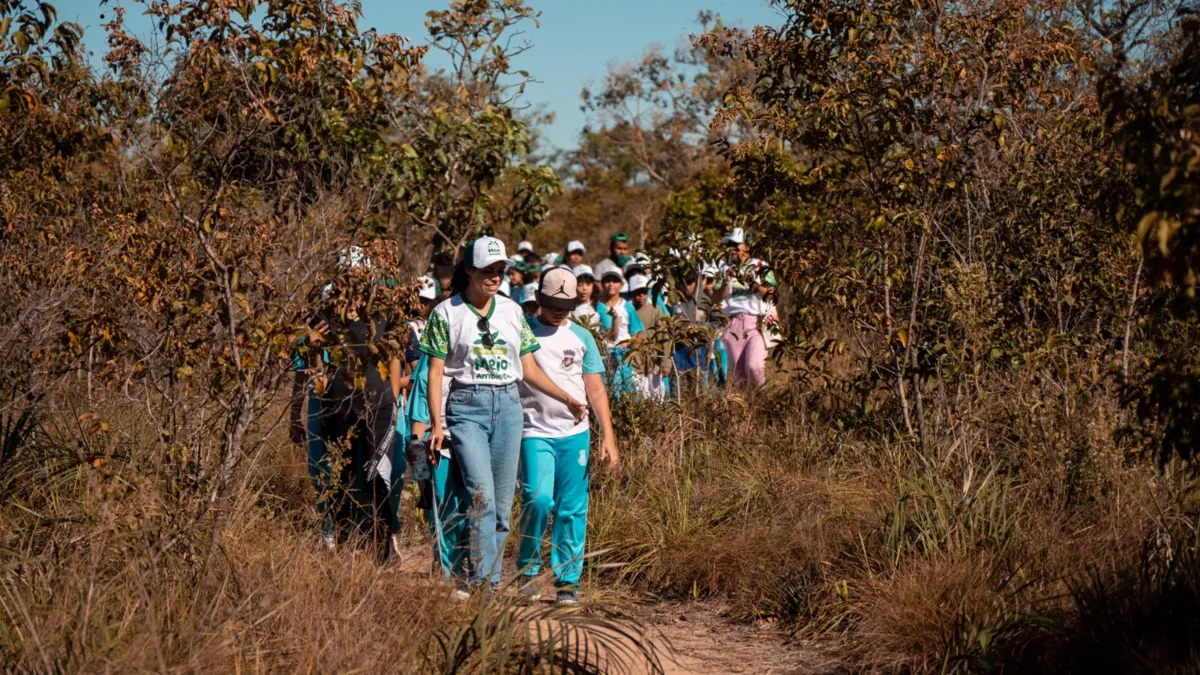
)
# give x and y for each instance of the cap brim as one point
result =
(508, 264)
(556, 303)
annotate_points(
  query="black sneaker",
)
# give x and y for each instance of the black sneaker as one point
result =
(567, 596)
(528, 589)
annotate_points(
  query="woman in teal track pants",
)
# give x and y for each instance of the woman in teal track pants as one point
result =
(554, 445)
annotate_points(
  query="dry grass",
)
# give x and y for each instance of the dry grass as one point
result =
(85, 586)
(972, 558)
(960, 561)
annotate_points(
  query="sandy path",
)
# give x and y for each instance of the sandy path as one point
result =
(690, 638)
(702, 641)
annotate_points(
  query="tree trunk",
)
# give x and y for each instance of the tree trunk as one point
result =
(1129, 313)
(237, 422)
(911, 347)
(897, 364)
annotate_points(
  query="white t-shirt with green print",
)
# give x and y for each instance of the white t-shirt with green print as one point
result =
(453, 334)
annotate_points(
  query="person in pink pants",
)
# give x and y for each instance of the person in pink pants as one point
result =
(747, 282)
(747, 350)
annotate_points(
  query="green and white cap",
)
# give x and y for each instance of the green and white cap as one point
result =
(529, 293)
(486, 251)
(427, 288)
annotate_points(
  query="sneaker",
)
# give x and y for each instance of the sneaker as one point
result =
(460, 595)
(567, 596)
(329, 536)
(528, 589)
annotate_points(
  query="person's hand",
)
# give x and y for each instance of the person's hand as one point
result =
(316, 334)
(415, 450)
(418, 459)
(437, 436)
(577, 409)
(608, 453)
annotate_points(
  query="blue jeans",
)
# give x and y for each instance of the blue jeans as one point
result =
(485, 421)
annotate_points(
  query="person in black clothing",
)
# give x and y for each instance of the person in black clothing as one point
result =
(358, 419)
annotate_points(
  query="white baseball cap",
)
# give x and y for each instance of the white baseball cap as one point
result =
(608, 268)
(524, 246)
(583, 271)
(486, 251)
(550, 260)
(638, 282)
(709, 270)
(529, 293)
(426, 288)
(576, 245)
(737, 236)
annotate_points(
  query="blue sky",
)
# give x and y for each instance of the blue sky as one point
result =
(576, 43)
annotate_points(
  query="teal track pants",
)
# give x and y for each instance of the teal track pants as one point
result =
(448, 520)
(554, 480)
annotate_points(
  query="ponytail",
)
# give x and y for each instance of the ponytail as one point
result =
(459, 281)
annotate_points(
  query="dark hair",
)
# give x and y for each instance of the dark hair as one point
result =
(459, 280)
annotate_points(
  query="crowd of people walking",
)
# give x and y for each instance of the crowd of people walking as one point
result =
(493, 395)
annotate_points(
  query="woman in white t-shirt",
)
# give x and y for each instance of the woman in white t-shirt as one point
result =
(481, 343)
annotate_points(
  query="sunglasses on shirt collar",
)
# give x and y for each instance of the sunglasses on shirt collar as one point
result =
(485, 331)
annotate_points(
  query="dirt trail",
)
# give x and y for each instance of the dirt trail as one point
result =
(691, 638)
(703, 641)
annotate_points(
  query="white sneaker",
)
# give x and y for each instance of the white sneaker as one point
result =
(459, 595)
(328, 535)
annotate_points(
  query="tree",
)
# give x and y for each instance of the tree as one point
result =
(916, 175)
(1155, 120)
(460, 145)
(648, 134)
(174, 248)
